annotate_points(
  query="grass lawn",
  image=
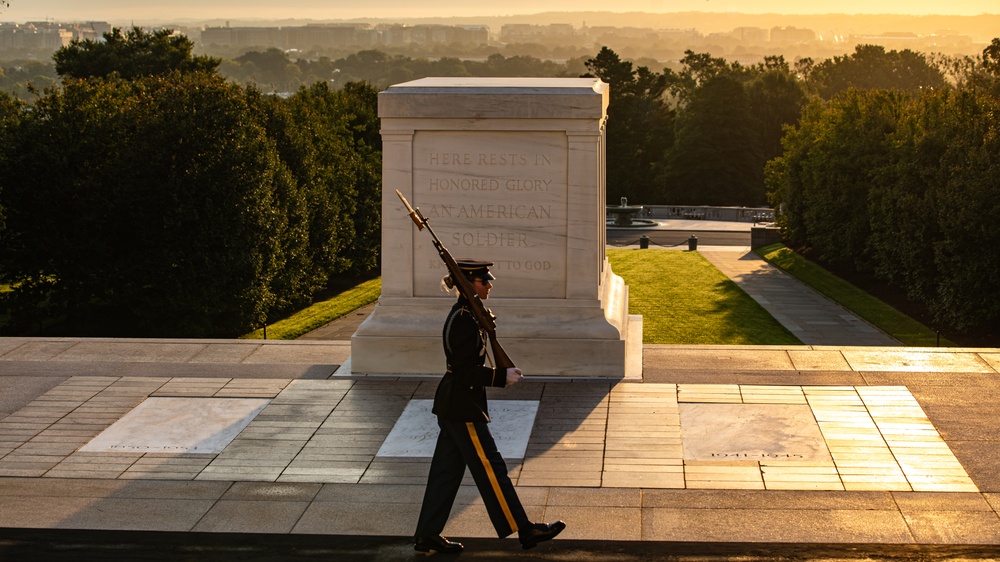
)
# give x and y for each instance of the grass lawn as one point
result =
(3, 317)
(322, 312)
(684, 299)
(886, 318)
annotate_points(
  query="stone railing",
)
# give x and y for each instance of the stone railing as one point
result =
(704, 212)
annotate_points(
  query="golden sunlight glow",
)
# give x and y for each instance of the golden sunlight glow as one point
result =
(181, 10)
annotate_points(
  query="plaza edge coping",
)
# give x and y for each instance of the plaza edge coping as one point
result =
(19, 341)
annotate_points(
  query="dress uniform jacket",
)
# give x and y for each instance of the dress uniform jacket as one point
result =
(461, 395)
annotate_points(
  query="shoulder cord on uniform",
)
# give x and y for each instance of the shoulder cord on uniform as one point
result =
(447, 332)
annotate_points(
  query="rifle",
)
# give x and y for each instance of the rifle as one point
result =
(484, 316)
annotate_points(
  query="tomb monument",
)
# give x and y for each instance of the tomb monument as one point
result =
(509, 170)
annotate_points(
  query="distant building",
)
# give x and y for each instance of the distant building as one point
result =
(399, 35)
(471, 34)
(901, 40)
(599, 33)
(395, 35)
(528, 33)
(792, 35)
(343, 35)
(243, 36)
(92, 30)
(43, 36)
(750, 34)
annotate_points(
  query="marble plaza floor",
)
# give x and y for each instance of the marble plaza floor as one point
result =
(716, 444)
(588, 434)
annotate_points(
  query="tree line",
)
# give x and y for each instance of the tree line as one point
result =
(698, 133)
(702, 134)
(905, 186)
(147, 196)
(148, 188)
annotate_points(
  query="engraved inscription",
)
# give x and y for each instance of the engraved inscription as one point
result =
(498, 195)
(488, 184)
(490, 239)
(515, 211)
(488, 159)
(504, 265)
(757, 456)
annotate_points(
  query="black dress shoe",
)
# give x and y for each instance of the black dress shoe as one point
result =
(539, 532)
(430, 545)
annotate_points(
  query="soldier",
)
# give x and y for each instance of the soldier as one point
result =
(465, 438)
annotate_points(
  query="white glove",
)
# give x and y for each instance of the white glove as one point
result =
(514, 376)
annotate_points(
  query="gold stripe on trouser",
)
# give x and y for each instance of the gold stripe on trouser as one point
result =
(493, 477)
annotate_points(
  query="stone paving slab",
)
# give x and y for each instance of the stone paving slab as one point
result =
(916, 359)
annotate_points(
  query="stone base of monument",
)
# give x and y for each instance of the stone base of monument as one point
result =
(544, 337)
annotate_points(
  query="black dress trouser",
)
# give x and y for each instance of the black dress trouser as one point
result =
(471, 444)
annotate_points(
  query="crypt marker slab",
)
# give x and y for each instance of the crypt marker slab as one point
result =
(416, 430)
(178, 425)
(752, 432)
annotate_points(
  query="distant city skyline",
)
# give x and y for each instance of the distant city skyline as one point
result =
(160, 10)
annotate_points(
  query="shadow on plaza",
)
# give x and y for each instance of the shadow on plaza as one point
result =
(334, 485)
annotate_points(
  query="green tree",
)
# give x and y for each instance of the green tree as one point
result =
(730, 120)
(131, 55)
(785, 177)
(696, 69)
(298, 278)
(717, 158)
(966, 200)
(360, 102)
(776, 99)
(870, 67)
(991, 56)
(329, 140)
(10, 110)
(270, 70)
(901, 203)
(639, 130)
(23, 76)
(833, 158)
(902, 185)
(980, 73)
(149, 207)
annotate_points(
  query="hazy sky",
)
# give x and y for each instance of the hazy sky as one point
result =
(125, 10)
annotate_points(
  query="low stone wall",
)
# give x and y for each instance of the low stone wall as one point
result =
(764, 236)
(704, 212)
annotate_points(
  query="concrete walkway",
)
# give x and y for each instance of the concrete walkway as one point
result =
(343, 328)
(813, 318)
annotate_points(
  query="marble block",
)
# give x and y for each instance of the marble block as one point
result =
(416, 430)
(510, 170)
(178, 425)
(752, 432)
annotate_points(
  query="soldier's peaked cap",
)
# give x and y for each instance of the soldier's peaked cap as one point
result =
(476, 269)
